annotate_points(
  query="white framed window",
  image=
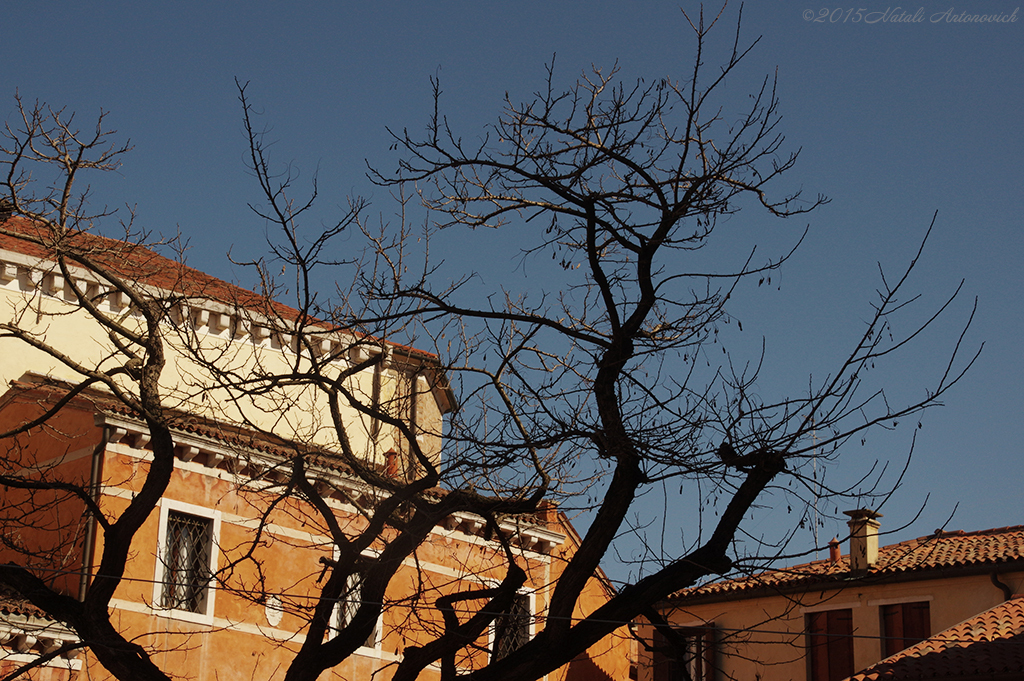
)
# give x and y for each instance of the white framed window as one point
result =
(348, 603)
(515, 627)
(186, 561)
(690, 653)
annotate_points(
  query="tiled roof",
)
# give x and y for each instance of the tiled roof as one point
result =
(148, 268)
(140, 264)
(987, 646)
(14, 605)
(942, 550)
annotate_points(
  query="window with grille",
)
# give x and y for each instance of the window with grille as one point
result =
(830, 645)
(512, 628)
(186, 562)
(903, 625)
(345, 611)
(684, 654)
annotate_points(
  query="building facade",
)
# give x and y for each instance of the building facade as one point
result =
(825, 620)
(989, 645)
(224, 576)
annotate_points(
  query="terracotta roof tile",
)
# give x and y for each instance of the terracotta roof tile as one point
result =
(942, 550)
(14, 605)
(144, 266)
(139, 264)
(988, 645)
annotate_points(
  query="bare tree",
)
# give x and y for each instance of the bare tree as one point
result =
(598, 389)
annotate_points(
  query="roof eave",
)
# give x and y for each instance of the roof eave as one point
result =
(847, 579)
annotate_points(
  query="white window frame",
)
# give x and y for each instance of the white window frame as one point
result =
(695, 634)
(338, 612)
(205, 614)
(531, 629)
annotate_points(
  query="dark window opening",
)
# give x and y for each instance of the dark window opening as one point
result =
(685, 654)
(830, 644)
(186, 562)
(346, 609)
(903, 625)
(512, 628)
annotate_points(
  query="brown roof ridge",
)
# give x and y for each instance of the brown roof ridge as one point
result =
(993, 530)
(943, 534)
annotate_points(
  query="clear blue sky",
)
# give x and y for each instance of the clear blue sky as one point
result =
(895, 120)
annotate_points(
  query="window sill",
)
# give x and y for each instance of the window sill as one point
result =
(184, 615)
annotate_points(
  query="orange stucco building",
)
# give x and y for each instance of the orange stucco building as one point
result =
(222, 575)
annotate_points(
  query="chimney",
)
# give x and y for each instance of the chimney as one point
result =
(391, 464)
(863, 539)
(834, 552)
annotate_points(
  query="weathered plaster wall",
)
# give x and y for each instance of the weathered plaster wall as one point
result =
(763, 638)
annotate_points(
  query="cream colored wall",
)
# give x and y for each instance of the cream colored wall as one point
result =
(763, 638)
(35, 298)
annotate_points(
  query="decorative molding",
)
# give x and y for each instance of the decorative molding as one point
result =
(210, 316)
(329, 483)
(30, 636)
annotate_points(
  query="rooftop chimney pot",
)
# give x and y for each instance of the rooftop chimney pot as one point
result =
(834, 551)
(863, 538)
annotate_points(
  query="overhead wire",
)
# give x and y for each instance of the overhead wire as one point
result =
(535, 618)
